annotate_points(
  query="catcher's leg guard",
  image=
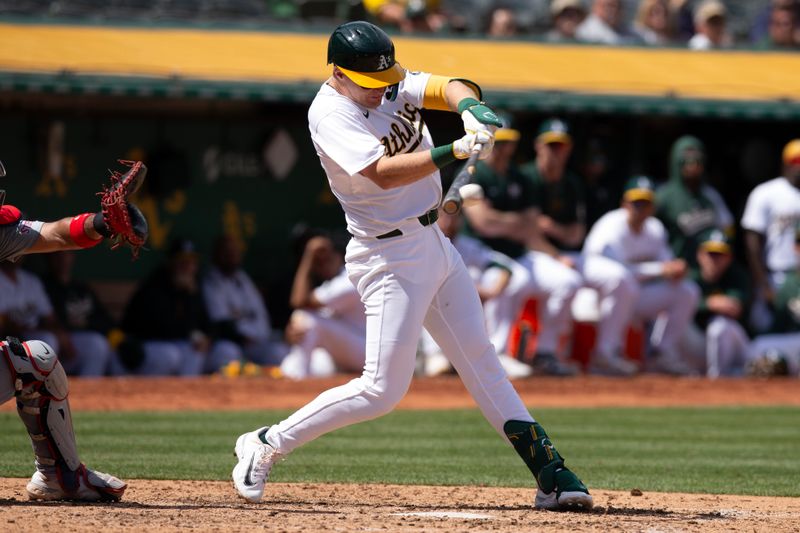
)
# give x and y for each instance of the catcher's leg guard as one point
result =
(41, 389)
(559, 488)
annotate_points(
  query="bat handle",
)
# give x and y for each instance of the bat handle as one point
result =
(452, 200)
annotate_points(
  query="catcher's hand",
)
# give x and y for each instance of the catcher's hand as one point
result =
(124, 222)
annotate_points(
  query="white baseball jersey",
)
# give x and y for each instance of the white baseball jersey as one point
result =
(341, 300)
(25, 299)
(642, 253)
(348, 138)
(773, 209)
(236, 298)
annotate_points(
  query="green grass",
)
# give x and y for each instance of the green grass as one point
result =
(736, 450)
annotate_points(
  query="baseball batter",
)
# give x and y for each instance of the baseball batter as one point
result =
(31, 372)
(368, 130)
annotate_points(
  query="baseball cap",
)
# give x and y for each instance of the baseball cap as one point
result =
(365, 54)
(506, 132)
(791, 152)
(557, 6)
(183, 248)
(554, 130)
(639, 188)
(710, 9)
(715, 241)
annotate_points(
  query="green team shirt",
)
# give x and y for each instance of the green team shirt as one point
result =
(512, 192)
(734, 283)
(564, 200)
(787, 306)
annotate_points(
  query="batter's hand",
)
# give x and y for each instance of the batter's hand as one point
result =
(463, 147)
(480, 117)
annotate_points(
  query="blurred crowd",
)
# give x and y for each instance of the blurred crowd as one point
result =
(569, 266)
(698, 24)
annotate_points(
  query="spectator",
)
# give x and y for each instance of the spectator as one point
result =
(771, 211)
(506, 220)
(784, 337)
(87, 323)
(502, 23)
(759, 31)
(408, 15)
(683, 17)
(632, 236)
(167, 327)
(328, 326)
(654, 23)
(717, 341)
(567, 16)
(235, 306)
(686, 204)
(710, 26)
(606, 25)
(782, 33)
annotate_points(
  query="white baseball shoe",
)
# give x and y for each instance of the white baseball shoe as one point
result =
(255, 462)
(92, 486)
(514, 368)
(566, 501)
(570, 494)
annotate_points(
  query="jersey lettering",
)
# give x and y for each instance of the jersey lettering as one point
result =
(406, 132)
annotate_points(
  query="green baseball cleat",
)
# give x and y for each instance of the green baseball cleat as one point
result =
(559, 488)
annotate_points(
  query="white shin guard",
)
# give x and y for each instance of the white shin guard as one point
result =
(41, 393)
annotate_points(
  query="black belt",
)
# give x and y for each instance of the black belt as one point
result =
(426, 220)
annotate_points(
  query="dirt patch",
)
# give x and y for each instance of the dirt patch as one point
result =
(213, 506)
(218, 393)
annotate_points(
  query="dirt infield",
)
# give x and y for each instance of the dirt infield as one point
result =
(212, 506)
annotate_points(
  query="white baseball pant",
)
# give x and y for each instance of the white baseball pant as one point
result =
(672, 304)
(787, 344)
(618, 292)
(553, 284)
(341, 340)
(720, 350)
(406, 282)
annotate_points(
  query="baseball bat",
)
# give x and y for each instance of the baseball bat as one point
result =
(452, 200)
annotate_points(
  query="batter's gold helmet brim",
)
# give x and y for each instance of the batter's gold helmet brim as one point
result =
(376, 80)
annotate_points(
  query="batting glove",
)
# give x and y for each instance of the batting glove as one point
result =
(479, 117)
(463, 147)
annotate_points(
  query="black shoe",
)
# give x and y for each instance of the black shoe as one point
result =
(547, 364)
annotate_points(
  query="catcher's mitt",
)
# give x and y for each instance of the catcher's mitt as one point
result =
(124, 222)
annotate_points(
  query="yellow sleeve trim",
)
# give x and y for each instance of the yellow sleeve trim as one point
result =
(435, 93)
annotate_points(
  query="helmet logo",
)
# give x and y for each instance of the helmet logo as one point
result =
(385, 62)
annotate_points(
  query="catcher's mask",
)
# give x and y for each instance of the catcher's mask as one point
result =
(2, 191)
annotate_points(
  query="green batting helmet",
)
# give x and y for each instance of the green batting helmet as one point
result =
(365, 54)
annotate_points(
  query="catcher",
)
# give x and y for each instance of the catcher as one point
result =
(30, 371)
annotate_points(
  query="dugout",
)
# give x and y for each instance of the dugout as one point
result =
(219, 114)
